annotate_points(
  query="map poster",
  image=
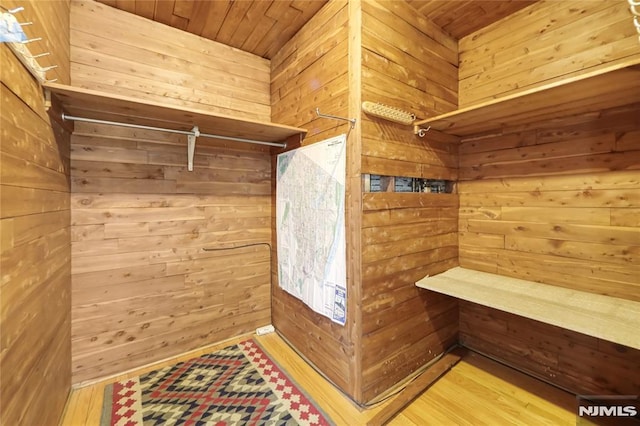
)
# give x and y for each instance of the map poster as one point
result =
(310, 226)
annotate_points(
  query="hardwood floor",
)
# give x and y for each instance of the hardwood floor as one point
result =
(476, 391)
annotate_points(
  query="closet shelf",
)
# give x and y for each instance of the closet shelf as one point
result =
(605, 88)
(98, 105)
(605, 317)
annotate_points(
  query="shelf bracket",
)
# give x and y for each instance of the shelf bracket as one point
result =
(48, 103)
(191, 147)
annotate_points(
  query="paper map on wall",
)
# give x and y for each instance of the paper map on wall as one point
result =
(310, 226)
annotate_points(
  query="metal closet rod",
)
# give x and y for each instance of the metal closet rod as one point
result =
(181, 132)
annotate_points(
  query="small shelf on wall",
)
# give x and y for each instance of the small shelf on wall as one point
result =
(609, 87)
(404, 184)
(92, 104)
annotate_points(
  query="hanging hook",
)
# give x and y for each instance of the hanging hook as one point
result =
(420, 131)
(31, 40)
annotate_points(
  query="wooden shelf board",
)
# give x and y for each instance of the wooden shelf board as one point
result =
(606, 88)
(608, 318)
(93, 104)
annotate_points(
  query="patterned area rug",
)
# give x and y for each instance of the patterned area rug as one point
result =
(238, 385)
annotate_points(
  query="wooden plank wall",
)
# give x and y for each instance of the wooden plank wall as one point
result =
(556, 202)
(568, 216)
(563, 192)
(309, 72)
(543, 43)
(579, 363)
(143, 288)
(410, 64)
(572, 206)
(35, 250)
(118, 52)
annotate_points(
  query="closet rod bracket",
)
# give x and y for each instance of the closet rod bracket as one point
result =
(191, 146)
(420, 131)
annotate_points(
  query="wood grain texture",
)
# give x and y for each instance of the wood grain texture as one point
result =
(542, 44)
(97, 105)
(34, 224)
(604, 317)
(554, 197)
(261, 27)
(417, 387)
(463, 17)
(582, 364)
(474, 391)
(301, 82)
(602, 89)
(411, 64)
(143, 287)
(139, 218)
(353, 193)
(121, 53)
(312, 71)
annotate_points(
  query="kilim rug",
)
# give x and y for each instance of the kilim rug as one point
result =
(237, 385)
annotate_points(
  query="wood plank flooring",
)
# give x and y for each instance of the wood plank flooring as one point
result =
(476, 391)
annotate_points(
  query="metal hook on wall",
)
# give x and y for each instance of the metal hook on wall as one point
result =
(333, 117)
(420, 131)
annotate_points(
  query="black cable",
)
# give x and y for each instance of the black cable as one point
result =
(239, 247)
(245, 246)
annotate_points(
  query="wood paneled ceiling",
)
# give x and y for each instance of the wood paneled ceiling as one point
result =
(463, 17)
(262, 27)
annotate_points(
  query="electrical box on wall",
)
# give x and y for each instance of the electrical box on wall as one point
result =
(380, 183)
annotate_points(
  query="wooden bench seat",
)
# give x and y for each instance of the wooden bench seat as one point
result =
(608, 318)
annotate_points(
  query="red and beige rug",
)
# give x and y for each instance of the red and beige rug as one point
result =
(237, 385)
